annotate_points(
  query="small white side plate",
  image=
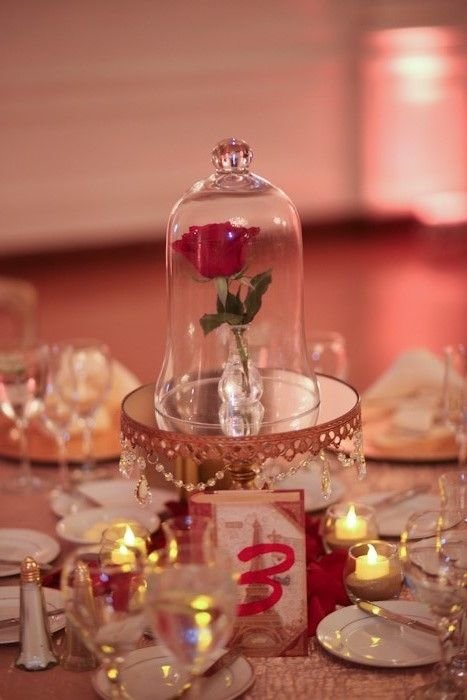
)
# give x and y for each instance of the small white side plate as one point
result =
(391, 520)
(310, 481)
(9, 607)
(353, 635)
(151, 673)
(87, 526)
(17, 543)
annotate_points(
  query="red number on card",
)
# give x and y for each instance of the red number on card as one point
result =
(263, 576)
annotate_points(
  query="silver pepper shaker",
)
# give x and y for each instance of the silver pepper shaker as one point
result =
(36, 652)
(76, 656)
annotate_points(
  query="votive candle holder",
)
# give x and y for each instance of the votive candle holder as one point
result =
(373, 571)
(346, 524)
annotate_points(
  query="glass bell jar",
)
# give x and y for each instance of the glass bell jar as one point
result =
(235, 362)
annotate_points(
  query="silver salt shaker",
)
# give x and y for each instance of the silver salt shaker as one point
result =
(36, 652)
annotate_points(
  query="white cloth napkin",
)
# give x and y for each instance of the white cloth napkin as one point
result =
(405, 402)
(414, 372)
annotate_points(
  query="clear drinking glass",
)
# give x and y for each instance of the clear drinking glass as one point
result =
(328, 353)
(191, 606)
(187, 534)
(434, 560)
(454, 400)
(23, 375)
(84, 383)
(453, 495)
(104, 600)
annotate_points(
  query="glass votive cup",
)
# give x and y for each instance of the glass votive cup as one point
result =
(123, 540)
(346, 524)
(453, 489)
(373, 571)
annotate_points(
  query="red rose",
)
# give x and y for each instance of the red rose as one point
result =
(216, 250)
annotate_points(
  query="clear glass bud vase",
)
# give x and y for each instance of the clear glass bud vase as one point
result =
(240, 389)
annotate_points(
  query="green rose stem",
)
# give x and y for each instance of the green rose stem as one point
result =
(243, 354)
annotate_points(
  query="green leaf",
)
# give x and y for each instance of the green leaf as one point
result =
(234, 305)
(211, 321)
(253, 299)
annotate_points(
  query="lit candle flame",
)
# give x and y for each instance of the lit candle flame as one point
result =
(129, 537)
(351, 517)
(372, 555)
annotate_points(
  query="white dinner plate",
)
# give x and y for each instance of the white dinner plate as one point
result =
(17, 543)
(353, 635)
(310, 481)
(9, 607)
(112, 493)
(392, 520)
(151, 673)
(87, 526)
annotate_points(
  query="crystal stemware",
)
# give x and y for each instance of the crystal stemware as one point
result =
(104, 600)
(84, 383)
(57, 417)
(453, 495)
(187, 534)
(434, 560)
(23, 372)
(328, 353)
(191, 604)
(454, 399)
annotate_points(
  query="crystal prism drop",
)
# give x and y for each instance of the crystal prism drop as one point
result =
(325, 476)
(143, 492)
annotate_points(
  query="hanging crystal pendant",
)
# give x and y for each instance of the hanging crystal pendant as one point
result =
(240, 389)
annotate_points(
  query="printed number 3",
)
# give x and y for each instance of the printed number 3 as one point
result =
(263, 576)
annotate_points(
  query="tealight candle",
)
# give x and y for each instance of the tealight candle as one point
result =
(351, 526)
(124, 542)
(122, 555)
(373, 571)
(371, 565)
(129, 539)
(347, 524)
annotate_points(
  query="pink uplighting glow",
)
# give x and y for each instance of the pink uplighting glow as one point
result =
(414, 116)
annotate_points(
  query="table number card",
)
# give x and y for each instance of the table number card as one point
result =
(264, 531)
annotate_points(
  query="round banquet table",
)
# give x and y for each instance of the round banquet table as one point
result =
(318, 675)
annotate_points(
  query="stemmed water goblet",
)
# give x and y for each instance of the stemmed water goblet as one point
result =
(191, 601)
(453, 495)
(84, 383)
(328, 353)
(23, 373)
(434, 560)
(454, 398)
(104, 595)
(57, 417)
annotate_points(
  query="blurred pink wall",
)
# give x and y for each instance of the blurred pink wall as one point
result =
(109, 110)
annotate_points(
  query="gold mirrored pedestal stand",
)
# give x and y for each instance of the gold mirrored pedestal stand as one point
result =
(197, 462)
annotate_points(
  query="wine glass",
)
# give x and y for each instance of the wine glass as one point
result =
(328, 353)
(57, 417)
(454, 399)
(104, 596)
(84, 383)
(23, 373)
(191, 603)
(186, 534)
(434, 560)
(453, 495)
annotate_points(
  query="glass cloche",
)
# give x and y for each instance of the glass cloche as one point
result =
(235, 362)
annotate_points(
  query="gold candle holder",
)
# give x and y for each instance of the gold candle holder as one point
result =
(373, 571)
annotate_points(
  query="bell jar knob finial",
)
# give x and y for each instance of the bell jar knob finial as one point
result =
(232, 156)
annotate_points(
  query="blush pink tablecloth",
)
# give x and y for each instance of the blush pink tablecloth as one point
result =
(318, 675)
